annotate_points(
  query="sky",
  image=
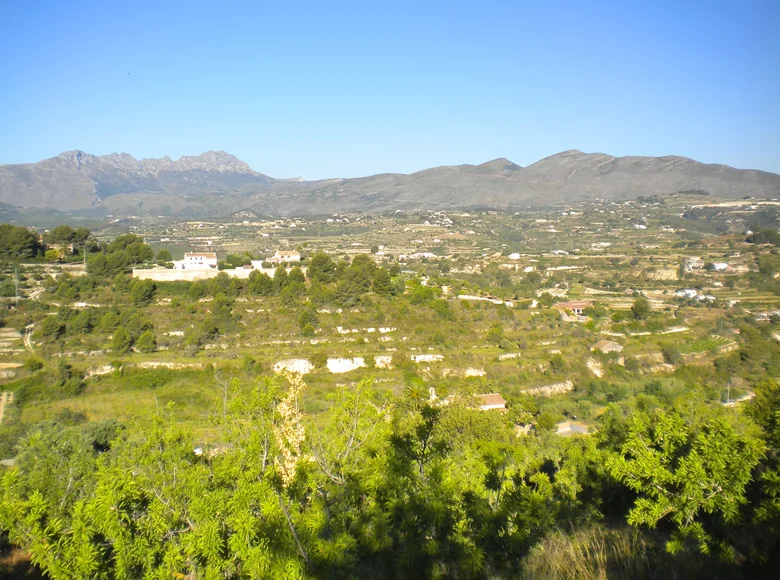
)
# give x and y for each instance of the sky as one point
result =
(337, 89)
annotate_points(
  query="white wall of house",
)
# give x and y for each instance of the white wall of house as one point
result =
(198, 261)
(284, 258)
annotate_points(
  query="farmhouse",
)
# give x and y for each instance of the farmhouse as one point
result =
(284, 257)
(576, 306)
(196, 261)
(693, 263)
(686, 293)
(491, 401)
(62, 250)
(416, 256)
(607, 346)
(768, 315)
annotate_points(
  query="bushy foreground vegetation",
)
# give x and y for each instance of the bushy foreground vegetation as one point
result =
(379, 487)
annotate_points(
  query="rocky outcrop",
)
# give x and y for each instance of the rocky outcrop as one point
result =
(550, 390)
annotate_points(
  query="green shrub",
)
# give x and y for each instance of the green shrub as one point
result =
(32, 364)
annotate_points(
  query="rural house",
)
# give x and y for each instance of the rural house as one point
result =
(491, 401)
(284, 257)
(63, 250)
(693, 263)
(197, 261)
(576, 306)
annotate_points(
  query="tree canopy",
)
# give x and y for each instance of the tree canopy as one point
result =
(18, 243)
(379, 487)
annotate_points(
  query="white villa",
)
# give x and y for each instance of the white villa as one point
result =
(284, 257)
(686, 293)
(196, 261)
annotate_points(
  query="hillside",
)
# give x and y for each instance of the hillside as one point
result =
(218, 184)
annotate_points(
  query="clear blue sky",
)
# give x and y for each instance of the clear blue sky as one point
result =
(327, 89)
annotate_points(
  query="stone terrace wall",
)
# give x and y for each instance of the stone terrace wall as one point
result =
(550, 390)
(166, 275)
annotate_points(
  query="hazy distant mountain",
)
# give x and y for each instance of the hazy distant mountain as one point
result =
(218, 184)
(76, 180)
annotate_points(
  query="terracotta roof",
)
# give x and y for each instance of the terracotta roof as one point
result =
(491, 399)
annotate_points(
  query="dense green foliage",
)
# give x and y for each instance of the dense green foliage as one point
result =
(115, 258)
(65, 234)
(385, 488)
(765, 237)
(18, 243)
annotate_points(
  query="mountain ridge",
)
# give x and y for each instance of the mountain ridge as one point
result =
(216, 183)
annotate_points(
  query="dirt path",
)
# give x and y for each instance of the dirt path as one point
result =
(5, 398)
(27, 338)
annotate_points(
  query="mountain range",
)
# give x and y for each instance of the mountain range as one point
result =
(217, 184)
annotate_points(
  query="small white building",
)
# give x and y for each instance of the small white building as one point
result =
(693, 263)
(719, 266)
(578, 307)
(197, 261)
(686, 293)
(285, 257)
(491, 402)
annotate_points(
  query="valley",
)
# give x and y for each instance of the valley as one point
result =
(430, 355)
(474, 303)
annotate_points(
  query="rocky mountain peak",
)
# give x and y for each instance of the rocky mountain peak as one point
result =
(213, 161)
(75, 158)
(501, 164)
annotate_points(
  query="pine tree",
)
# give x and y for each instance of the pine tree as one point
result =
(260, 283)
(121, 341)
(382, 283)
(280, 279)
(146, 342)
(308, 317)
(321, 268)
